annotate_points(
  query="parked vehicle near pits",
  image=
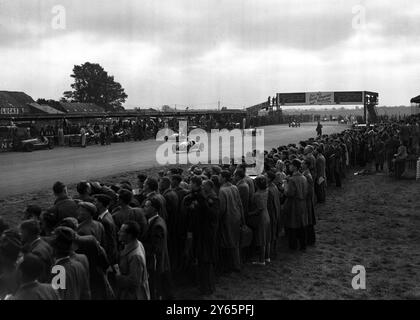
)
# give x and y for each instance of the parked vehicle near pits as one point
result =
(92, 137)
(18, 139)
(121, 136)
(32, 144)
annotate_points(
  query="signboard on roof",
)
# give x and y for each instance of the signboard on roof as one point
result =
(11, 110)
(291, 98)
(321, 98)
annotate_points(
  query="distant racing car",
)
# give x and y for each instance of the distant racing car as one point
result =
(294, 124)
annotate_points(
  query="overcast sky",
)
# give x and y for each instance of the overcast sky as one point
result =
(196, 52)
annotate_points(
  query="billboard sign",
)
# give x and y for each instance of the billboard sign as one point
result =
(12, 110)
(355, 97)
(320, 98)
(291, 99)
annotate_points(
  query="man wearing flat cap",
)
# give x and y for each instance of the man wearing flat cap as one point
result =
(88, 226)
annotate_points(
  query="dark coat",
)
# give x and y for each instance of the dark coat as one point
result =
(77, 283)
(44, 251)
(111, 243)
(155, 243)
(162, 201)
(310, 198)
(82, 259)
(296, 215)
(260, 218)
(36, 291)
(202, 222)
(231, 216)
(122, 215)
(98, 264)
(312, 167)
(243, 189)
(171, 199)
(251, 186)
(64, 207)
(320, 164)
(92, 228)
(274, 210)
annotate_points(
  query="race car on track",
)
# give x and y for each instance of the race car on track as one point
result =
(187, 146)
(294, 124)
(173, 137)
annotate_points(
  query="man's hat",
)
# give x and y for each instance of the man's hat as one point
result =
(88, 206)
(69, 222)
(297, 163)
(10, 244)
(103, 198)
(63, 238)
(308, 149)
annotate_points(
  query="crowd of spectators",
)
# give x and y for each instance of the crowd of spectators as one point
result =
(187, 226)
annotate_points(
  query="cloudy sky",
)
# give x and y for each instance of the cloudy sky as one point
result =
(196, 52)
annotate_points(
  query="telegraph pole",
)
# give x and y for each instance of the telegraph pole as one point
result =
(218, 105)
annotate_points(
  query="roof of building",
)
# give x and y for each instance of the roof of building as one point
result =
(14, 99)
(79, 107)
(45, 108)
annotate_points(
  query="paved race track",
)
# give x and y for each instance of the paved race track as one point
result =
(22, 172)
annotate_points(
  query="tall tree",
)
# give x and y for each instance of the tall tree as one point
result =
(92, 84)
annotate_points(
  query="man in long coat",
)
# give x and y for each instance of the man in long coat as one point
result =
(243, 188)
(321, 178)
(179, 223)
(171, 199)
(157, 257)
(274, 210)
(104, 217)
(310, 196)
(231, 217)
(151, 187)
(202, 219)
(132, 278)
(296, 216)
